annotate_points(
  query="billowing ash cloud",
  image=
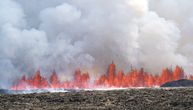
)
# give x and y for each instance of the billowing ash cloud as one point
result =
(89, 34)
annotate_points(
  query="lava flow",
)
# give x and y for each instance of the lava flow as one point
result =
(134, 78)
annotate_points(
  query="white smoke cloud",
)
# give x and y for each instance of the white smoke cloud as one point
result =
(181, 13)
(89, 34)
(159, 42)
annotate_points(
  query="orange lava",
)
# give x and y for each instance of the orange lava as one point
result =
(134, 78)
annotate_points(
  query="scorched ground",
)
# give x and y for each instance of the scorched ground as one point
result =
(133, 99)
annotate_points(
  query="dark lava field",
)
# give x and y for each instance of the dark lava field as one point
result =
(127, 99)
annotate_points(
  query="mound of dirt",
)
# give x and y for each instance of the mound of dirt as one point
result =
(179, 83)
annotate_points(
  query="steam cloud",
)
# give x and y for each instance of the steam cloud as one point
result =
(88, 34)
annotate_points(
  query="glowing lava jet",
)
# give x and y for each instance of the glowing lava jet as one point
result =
(134, 78)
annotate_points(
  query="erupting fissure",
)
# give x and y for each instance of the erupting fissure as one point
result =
(134, 78)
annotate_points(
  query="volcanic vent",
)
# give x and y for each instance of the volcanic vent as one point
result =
(133, 78)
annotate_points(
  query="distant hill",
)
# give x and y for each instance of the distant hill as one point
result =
(5, 91)
(179, 83)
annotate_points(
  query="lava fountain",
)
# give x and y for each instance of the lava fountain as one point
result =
(133, 78)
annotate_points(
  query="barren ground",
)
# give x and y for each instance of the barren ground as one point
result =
(133, 99)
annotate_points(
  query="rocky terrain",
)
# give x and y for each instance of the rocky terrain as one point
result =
(133, 99)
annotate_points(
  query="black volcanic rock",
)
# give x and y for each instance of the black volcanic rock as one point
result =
(179, 83)
(129, 99)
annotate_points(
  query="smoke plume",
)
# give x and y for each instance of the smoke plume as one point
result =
(88, 34)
